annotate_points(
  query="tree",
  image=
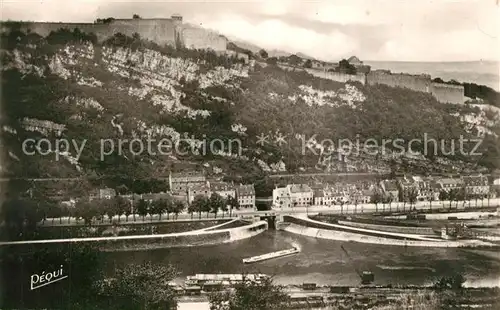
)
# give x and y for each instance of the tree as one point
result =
(346, 67)
(121, 206)
(101, 206)
(263, 53)
(308, 63)
(122, 189)
(179, 206)
(144, 286)
(161, 205)
(376, 199)
(233, 204)
(136, 16)
(191, 209)
(412, 196)
(251, 295)
(390, 199)
(87, 210)
(142, 208)
(443, 195)
(294, 60)
(216, 203)
(453, 282)
(272, 60)
(21, 217)
(200, 204)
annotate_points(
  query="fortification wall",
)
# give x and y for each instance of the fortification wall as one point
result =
(199, 38)
(420, 83)
(161, 31)
(337, 76)
(448, 93)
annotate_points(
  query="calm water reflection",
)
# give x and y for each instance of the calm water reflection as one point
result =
(323, 262)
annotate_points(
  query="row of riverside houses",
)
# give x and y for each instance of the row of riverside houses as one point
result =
(406, 188)
(185, 186)
(191, 184)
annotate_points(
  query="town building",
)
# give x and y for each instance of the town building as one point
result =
(390, 190)
(301, 195)
(103, 193)
(476, 186)
(180, 182)
(223, 189)
(407, 188)
(196, 189)
(155, 196)
(448, 184)
(330, 195)
(246, 196)
(362, 196)
(425, 189)
(293, 195)
(281, 197)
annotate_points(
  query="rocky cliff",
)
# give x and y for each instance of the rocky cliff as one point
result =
(215, 113)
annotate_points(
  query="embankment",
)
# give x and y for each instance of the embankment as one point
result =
(316, 229)
(388, 228)
(185, 239)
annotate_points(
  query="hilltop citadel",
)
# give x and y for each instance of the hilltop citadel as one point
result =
(173, 31)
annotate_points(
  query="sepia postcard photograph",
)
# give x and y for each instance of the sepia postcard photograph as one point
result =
(250, 155)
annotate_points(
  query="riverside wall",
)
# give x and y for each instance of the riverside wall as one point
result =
(388, 228)
(314, 229)
(138, 242)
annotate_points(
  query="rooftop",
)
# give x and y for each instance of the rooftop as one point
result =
(300, 188)
(221, 186)
(246, 190)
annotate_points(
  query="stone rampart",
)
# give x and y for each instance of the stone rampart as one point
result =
(159, 30)
(199, 38)
(448, 93)
(420, 83)
(337, 76)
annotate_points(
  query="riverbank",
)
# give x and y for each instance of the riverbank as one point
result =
(316, 229)
(141, 242)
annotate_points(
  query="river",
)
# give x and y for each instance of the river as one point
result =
(323, 262)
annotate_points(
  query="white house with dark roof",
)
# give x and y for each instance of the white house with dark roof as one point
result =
(245, 194)
(301, 195)
(448, 184)
(223, 189)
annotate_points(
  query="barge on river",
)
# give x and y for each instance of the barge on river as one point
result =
(259, 258)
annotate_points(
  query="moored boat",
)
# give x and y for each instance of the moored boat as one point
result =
(271, 255)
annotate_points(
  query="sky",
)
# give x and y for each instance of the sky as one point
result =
(385, 30)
